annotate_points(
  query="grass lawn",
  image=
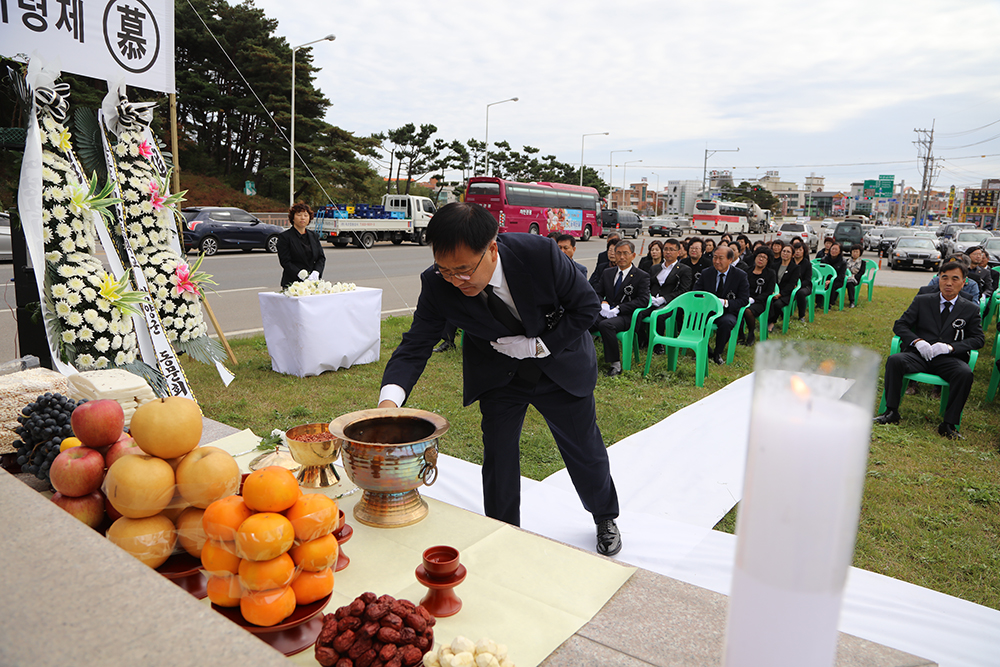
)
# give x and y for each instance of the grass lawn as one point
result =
(931, 509)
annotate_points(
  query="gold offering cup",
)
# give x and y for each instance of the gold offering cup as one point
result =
(316, 457)
(389, 453)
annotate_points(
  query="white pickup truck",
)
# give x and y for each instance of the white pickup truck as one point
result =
(399, 218)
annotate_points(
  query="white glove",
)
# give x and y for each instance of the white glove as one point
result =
(314, 275)
(605, 308)
(518, 347)
(925, 349)
(659, 301)
(751, 300)
(303, 274)
(614, 312)
(941, 348)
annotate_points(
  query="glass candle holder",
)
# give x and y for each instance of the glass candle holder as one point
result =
(810, 428)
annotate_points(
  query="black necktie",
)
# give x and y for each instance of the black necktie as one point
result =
(718, 285)
(502, 313)
(618, 283)
(944, 312)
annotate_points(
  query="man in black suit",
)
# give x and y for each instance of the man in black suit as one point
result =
(729, 284)
(604, 260)
(526, 313)
(623, 289)
(936, 333)
(666, 282)
(567, 244)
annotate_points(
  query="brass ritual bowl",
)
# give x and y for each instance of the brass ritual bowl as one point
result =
(317, 458)
(389, 453)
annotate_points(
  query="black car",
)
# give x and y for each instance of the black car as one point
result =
(888, 239)
(664, 228)
(914, 251)
(992, 249)
(626, 223)
(210, 229)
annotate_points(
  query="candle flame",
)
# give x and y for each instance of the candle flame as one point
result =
(800, 388)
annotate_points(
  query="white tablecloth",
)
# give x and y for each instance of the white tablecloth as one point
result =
(308, 335)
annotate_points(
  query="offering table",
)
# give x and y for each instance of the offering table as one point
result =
(76, 599)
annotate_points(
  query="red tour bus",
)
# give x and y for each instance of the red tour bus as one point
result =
(538, 208)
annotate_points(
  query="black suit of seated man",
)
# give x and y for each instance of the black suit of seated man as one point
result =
(936, 340)
(623, 289)
(734, 290)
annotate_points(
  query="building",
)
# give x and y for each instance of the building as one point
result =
(679, 197)
(982, 205)
(638, 197)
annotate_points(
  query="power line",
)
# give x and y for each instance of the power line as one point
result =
(952, 135)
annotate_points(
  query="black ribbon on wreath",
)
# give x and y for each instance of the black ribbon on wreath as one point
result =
(54, 100)
(134, 115)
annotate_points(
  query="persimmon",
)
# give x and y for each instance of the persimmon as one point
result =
(271, 489)
(312, 586)
(219, 558)
(264, 536)
(267, 608)
(316, 555)
(224, 591)
(224, 516)
(313, 515)
(262, 575)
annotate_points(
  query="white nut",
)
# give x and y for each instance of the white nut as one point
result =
(460, 644)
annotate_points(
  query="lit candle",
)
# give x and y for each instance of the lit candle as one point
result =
(808, 446)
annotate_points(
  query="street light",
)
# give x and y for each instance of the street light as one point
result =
(513, 99)
(590, 134)
(704, 171)
(611, 166)
(291, 140)
(624, 170)
(656, 198)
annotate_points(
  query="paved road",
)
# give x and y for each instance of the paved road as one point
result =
(394, 269)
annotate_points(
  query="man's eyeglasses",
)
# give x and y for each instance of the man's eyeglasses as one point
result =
(461, 274)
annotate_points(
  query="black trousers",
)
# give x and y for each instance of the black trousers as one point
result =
(610, 328)
(724, 327)
(801, 298)
(953, 370)
(573, 423)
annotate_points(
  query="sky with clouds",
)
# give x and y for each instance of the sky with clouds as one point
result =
(831, 88)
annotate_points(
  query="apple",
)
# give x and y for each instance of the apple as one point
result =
(77, 471)
(122, 447)
(207, 474)
(88, 509)
(113, 514)
(98, 423)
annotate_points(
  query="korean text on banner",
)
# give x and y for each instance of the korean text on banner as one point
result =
(128, 40)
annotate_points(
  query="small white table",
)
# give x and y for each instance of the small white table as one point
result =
(308, 335)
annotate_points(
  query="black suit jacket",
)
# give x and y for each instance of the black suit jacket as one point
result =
(736, 288)
(542, 280)
(963, 329)
(633, 294)
(678, 281)
(294, 257)
(603, 262)
(789, 279)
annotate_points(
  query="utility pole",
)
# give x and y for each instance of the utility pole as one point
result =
(927, 143)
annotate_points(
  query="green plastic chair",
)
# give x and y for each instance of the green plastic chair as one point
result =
(991, 391)
(761, 325)
(867, 279)
(823, 276)
(786, 312)
(926, 378)
(699, 311)
(629, 342)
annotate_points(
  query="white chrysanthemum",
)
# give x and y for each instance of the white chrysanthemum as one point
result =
(76, 284)
(129, 340)
(46, 217)
(192, 323)
(149, 271)
(53, 257)
(139, 184)
(66, 271)
(160, 279)
(141, 241)
(49, 123)
(68, 336)
(130, 196)
(116, 342)
(102, 362)
(91, 316)
(57, 193)
(135, 210)
(168, 306)
(78, 225)
(103, 305)
(185, 337)
(89, 293)
(162, 293)
(84, 333)
(100, 325)
(147, 206)
(59, 212)
(85, 360)
(121, 149)
(114, 326)
(50, 175)
(74, 319)
(63, 230)
(63, 309)
(102, 345)
(133, 150)
(135, 229)
(67, 245)
(59, 291)
(73, 299)
(171, 335)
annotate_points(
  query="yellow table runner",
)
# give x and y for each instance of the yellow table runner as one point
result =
(522, 590)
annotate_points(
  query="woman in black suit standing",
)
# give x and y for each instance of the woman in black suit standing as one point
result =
(299, 250)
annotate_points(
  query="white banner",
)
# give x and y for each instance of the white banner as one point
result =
(118, 40)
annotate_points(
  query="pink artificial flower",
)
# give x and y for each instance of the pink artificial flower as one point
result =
(145, 150)
(182, 280)
(155, 198)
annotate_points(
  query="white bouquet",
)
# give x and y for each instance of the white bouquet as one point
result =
(312, 287)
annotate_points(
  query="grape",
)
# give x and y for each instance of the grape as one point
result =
(44, 423)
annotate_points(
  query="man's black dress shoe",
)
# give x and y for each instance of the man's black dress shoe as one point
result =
(659, 349)
(444, 346)
(613, 371)
(888, 417)
(717, 358)
(609, 540)
(949, 431)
